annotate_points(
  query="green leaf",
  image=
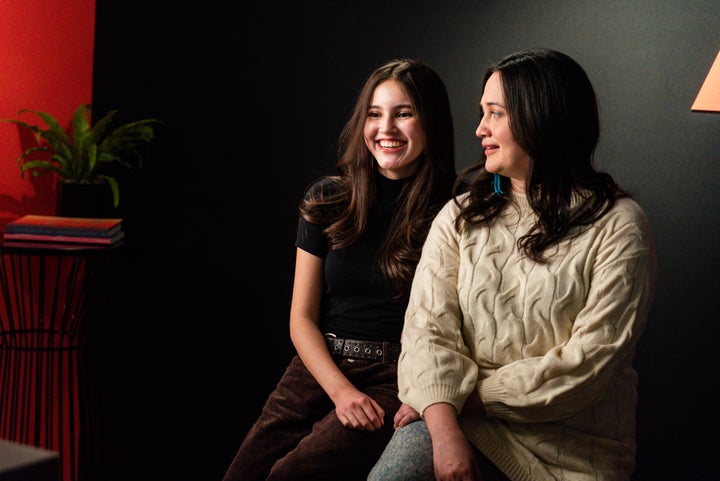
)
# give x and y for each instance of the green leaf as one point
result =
(80, 157)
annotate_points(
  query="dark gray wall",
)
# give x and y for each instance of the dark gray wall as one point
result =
(254, 103)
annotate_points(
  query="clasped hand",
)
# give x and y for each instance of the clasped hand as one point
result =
(357, 410)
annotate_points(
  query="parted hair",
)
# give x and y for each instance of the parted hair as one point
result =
(553, 115)
(342, 202)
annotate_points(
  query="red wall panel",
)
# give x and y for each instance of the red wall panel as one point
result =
(46, 63)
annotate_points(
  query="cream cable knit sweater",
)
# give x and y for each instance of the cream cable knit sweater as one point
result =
(549, 346)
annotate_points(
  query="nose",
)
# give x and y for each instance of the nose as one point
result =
(481, 130)
(388, 124)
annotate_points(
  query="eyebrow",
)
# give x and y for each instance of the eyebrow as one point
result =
(401, 106)
(497, 104)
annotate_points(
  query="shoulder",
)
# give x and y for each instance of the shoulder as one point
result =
(627, 211)
(445, 221)
(325, 186)
(449, 212)
(625, 230)
(452, 207)
(624, 237)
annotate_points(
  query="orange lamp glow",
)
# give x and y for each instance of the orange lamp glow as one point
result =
(708, 99)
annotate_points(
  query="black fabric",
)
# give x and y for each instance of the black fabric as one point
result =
(357, 302)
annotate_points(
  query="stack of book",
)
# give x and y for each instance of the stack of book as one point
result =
(38, 230)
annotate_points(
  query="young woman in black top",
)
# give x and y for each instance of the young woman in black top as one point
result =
(359, 239)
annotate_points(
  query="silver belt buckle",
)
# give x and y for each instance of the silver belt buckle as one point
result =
(330, 339)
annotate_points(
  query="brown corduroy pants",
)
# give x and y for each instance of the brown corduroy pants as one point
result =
(298, 437)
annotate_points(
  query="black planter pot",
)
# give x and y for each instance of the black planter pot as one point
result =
(85, 200)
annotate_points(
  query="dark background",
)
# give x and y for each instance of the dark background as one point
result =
(194, 334)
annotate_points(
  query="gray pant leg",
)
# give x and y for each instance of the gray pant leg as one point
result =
(407, 457)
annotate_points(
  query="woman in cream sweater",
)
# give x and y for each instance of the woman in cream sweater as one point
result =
(533, 289)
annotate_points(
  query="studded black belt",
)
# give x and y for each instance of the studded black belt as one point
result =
(379, 351)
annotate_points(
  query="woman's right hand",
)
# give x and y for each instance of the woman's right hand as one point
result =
(357, 410)
(405, 415)
(454, 459)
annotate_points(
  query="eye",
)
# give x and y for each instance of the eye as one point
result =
(405, 114)
(495, 114)
(373, 114)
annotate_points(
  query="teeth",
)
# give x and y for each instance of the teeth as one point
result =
(390, 145)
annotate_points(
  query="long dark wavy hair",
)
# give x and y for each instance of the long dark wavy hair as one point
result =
(343, 201)
(553, 114)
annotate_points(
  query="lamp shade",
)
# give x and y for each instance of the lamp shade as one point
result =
(708, 99)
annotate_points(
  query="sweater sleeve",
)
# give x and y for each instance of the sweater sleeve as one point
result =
(434, 364)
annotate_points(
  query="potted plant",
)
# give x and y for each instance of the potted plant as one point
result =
(86, 157)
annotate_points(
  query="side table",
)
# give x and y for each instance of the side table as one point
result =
(47, 379)
(19, 462)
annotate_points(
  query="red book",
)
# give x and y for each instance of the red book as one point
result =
(65, 226)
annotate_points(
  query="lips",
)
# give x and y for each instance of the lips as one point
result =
(489, 148)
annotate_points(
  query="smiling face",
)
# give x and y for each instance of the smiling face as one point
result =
(503, 154)
(393, 132)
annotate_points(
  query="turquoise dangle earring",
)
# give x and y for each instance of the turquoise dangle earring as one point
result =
(498, 188)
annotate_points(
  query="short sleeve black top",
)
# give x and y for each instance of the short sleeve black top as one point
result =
(357, 302)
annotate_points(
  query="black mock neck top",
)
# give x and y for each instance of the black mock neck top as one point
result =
(357, 303)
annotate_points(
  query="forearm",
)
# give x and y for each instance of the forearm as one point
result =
(312, 348)
(441, 419)
(453, 456)
(353, 408)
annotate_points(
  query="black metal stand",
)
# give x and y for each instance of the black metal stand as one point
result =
(48, 396)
